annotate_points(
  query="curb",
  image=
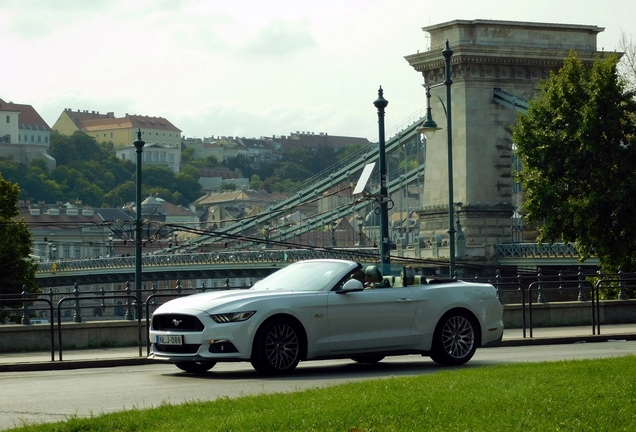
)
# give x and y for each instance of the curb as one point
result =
(565, 340)
(143, 361)
(75, 364)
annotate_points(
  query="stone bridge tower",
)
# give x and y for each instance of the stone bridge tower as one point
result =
(495, 69)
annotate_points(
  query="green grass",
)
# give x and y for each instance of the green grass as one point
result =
(588, 395)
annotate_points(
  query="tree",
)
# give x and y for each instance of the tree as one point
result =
(187, 155)
(227, 187)
(255, 182)
(18, 269)
(323, 158)
(627, 65)
(577, 147)
(352, 150)
(159, 176)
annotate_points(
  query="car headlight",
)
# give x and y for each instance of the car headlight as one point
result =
(232, 317)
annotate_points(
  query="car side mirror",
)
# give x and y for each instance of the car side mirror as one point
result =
(352, 285)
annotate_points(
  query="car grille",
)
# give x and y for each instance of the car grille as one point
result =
(177, 349)
(177, 322)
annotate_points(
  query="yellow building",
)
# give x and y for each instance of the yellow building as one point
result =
(121, 131)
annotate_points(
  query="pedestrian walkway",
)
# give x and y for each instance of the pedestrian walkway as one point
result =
(128, 356)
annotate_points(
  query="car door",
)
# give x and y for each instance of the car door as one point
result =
(372, 319)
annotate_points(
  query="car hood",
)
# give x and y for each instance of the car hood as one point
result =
(223, 300)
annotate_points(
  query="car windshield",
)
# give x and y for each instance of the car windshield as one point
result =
(305, 276)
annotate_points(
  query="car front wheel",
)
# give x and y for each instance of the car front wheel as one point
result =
(277, 347)
(455, 339)
(195, 367)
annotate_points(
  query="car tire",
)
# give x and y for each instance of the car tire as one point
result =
(277, 347)
(195, 367)
(368, 359)
(455, 339)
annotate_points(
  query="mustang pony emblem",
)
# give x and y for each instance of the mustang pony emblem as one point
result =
(176, 322)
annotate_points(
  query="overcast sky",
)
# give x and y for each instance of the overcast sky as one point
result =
(247, 68)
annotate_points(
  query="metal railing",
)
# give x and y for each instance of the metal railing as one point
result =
(522, 287)
(217, 257)
(70, 306)
(536, 250)
(585, 285)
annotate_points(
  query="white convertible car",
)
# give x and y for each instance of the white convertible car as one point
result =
(313, 310)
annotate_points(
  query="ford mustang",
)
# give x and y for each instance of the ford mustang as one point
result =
(314, 310)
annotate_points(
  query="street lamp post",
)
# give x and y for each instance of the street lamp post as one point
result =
(334, 243)
(110, 245)
(139, 145)
(429, 127)
(360, 233)
(385, 249)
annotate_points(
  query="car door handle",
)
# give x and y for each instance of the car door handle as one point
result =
(404, 300)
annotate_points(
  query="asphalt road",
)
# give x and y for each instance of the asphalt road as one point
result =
(48, 396)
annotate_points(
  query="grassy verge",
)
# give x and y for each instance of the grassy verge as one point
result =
(589, 395)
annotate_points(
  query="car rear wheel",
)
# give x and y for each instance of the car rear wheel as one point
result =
(368, 359)
(195, 367)
(277, 347)
(455, 339)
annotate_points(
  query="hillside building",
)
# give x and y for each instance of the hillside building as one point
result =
(24, 135)
(121, 131)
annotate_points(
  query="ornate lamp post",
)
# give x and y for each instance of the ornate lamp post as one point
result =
(385, 248)
(428, 128)
(139, 145)
(360, 233)
(334, 225)
(110, 245)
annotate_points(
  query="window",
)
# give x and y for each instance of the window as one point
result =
(171, 158)
(78, 252)
(39, 138)
(32, 138)
(66, 251)
(8, 119)
(111, 134)
(96, 251)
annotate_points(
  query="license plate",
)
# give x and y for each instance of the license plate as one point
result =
(169, 340)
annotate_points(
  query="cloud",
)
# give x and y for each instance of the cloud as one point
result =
(33, 19)
(279, 38)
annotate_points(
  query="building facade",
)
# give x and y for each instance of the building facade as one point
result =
(153, 154)
(121, 131)
(24, 135)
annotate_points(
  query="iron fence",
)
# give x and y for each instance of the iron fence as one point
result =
(217, 257)
(523, 288)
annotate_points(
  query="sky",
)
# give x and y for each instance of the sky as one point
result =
(248, 68)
